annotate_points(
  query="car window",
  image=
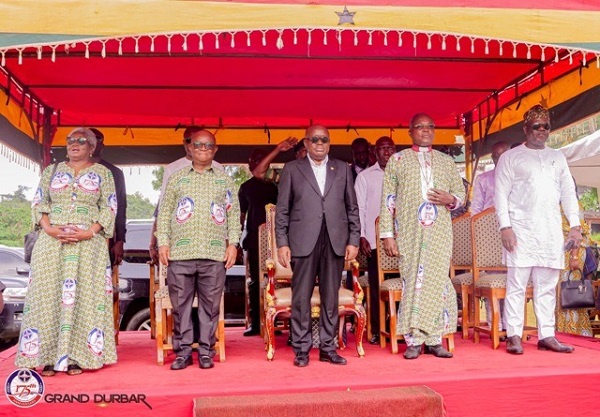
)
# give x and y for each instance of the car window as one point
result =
(10, 261)
(138, 237)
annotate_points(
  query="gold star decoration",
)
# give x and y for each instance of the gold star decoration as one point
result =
(346, 17)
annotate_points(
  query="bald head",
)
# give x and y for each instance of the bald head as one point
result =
(498, 149)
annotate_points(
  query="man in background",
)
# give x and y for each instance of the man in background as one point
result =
(360, 156)
(368, 186)
(115, 243)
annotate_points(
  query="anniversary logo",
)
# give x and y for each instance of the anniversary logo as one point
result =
(25, 388)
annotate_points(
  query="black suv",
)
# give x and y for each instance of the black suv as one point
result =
(134, 282)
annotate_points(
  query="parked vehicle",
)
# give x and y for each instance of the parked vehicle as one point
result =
(134, 282)
(14, 274)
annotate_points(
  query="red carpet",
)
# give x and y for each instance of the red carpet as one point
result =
(477, 381)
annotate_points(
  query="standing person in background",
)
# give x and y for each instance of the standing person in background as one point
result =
(198, 235)
(254, 195)
(368, 187)
(317, 226)
(360, 156)
(420, 187)
(115, 243)
(532, 183)
(68, 316)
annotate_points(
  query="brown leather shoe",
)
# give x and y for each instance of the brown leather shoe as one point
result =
(550, 343)
(412, 352)
(439, 352)
(513, 345)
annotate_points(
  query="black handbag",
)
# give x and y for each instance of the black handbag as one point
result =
(576, 293)
(31, 237)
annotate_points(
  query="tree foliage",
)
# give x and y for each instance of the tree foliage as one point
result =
(139, 207)
(15, 221)
(158, 177)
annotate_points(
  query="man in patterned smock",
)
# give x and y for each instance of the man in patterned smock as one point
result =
(198, 233)
(420, 187)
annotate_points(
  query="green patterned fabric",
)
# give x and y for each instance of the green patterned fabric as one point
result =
(68, 314)
(198, 214)
(428, 303)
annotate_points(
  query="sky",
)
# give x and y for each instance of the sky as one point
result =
(137, 178)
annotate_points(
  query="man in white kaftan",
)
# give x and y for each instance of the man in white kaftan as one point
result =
(532, 182)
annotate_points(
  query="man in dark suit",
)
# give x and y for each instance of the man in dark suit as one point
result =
(316, 226)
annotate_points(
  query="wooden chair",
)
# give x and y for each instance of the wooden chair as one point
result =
(153, 287)
(462, 260)
(164, 320)
(489, 275)
(390, 292)
(278, 301)
(363, 281)
(263, 243)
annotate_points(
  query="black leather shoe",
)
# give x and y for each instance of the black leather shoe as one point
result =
(332, 357)
(550, 343)
(375, 339)
(206, 362)
(181, 362)
(251, 331)
(439, 352)
(412, 352)
(514, 346)
(301, 360)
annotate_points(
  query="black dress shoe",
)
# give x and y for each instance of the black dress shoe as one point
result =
(375, 339)
(550, 343)
(301, 360)
(206, 362)
(181, 362)
(412, 352)
(514, 345)
(251, 331)
(439, 352)
(332, 357)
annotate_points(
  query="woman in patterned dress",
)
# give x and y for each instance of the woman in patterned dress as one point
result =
(574, 321)
(68, 316)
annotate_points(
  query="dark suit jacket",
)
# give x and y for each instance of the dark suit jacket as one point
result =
(301, 207)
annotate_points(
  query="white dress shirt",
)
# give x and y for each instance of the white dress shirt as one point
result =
(483, 191)
(531, 186)
(368, 186)
(320, 172)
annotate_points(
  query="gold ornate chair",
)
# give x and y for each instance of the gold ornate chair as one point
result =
(363, 281)
(164, 320)
(278, 299)
(462, 261)
(489, 275)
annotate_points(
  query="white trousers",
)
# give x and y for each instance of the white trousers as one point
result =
(544, 299)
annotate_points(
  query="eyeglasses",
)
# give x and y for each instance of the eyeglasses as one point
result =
(204, 145)
(80, 140)
(420, 127)
(316, 139)
(540, 126)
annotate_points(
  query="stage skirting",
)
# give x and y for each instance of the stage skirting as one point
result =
(478, 381)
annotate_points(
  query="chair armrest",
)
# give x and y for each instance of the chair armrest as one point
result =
(357, 290)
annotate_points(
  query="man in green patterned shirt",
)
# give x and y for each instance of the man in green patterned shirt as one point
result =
(198, 232)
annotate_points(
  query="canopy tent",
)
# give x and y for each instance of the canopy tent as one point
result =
(256, 71)
(583, 157)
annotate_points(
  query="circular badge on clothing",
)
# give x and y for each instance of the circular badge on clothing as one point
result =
(60, 181)
(29, 345)
(37, 198)
(185, 209)
(228, 200)
(68, 292)
(89, 182)
(112, 203)
(390, 203)
(95, 341)
(24, 387)
(217, 213)
(427, 214)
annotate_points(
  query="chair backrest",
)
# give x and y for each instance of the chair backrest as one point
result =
(281, 273)
(487, 243)
(462, 253)
(263, 243)
(385, 264)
